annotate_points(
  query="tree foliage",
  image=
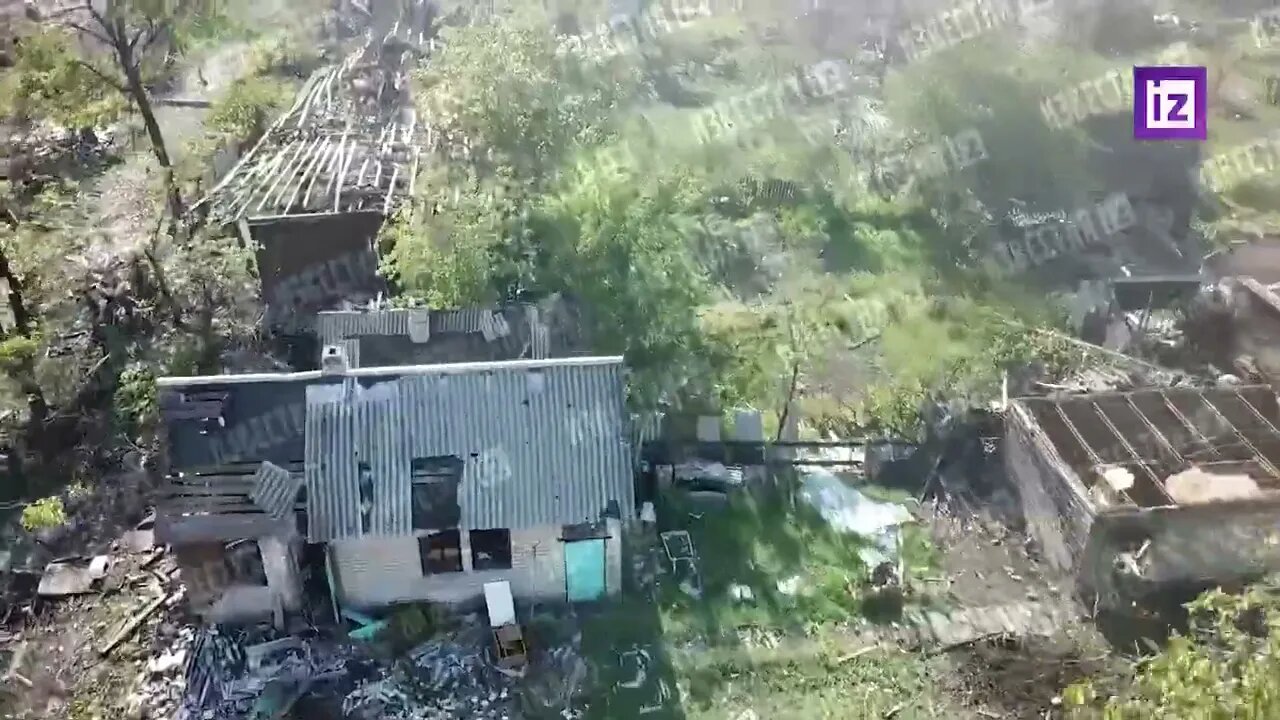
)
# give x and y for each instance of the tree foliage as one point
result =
(49, 80)
(1225, 668)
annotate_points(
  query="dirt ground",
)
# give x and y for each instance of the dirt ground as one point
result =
(1023, 678)
(983, 563)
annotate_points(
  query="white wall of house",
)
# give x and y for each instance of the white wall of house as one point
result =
(375, 571)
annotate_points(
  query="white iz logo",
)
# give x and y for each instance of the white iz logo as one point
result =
(1170, 103)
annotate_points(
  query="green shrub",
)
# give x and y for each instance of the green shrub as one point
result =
(43, 514)
(135, 398)
(243, 112)
(1227, 666)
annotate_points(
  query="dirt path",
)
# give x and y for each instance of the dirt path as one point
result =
(120, 202)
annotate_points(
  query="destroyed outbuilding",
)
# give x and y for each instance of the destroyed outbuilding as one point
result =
(1139, 492)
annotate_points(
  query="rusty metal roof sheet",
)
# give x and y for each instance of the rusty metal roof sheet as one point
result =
(542, 444)
(275, 489)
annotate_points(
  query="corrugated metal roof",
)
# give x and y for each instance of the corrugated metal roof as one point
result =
(275, 490)
(511, 331)
(335, 326)
(541, 446)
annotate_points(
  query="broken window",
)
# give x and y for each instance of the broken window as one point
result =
(491, 549)
(441, 552)
(434, 486)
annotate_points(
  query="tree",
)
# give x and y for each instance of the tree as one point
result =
(118, 40)
(48, 79)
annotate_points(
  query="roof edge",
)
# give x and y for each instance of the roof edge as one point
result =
(391, 371)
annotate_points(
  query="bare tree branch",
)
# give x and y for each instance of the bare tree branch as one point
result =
(154, 33)
(86, 31)
(102, 76)
(98, 17)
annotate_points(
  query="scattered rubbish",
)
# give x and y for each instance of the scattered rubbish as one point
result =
(707, 475)
(166, 663)
(849, 511)
(142, 538)
(639, 658)
(278, 698)
(98, 567)
(66, 577)
(741, 593)
(684, 561)
(131, 625)
(274, 652)
(790, 586)
(369, 627)
(15, 667)
(1197, 485)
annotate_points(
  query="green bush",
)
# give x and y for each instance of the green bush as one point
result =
(135, 398)
(43, 514)
(1227, 667)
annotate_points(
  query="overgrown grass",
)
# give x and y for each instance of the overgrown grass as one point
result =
(800, 573)
(879, 684)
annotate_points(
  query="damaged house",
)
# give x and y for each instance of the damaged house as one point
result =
(406, 483)
(419, 336)
(312, 194)
(1141, 492)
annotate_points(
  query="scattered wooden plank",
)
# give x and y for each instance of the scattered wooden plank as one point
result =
(131, 626)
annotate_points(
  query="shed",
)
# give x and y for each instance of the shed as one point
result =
(1141, 491)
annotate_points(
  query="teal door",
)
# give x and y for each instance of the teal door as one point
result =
(584, 569)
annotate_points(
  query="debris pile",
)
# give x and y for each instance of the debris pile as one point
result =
(228, 678)
(449, 677)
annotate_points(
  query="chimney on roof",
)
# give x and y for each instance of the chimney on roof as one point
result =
(333, 361)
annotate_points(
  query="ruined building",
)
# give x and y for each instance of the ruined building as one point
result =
(420, 336)
(1139, 492)
(314, 191)
(398, 483)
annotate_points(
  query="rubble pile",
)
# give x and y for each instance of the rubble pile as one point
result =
(162, 685)
(445, 678)
(229, 678)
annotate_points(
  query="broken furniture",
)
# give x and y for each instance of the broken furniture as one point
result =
(508, 638)
(683, 557)
(1141, 491)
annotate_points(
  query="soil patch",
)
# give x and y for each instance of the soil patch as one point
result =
(1021, 678)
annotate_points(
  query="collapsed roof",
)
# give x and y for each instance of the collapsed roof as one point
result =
(350, 142)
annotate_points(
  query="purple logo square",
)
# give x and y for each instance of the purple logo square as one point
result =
(1170, 103)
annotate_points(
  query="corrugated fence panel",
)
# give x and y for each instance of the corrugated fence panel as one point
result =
(382, 445)
(275, 489)
(333, 506)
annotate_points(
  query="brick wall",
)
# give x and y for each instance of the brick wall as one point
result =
(1057, 514)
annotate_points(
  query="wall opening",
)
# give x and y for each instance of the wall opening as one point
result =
(491, 549)
(434, 488)
(441, 552)
(366, 497)
(244, 564)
